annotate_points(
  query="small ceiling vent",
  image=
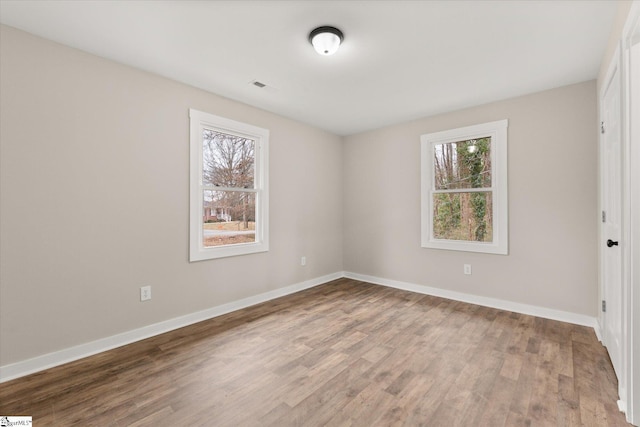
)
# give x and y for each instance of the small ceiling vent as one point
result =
(258, 84)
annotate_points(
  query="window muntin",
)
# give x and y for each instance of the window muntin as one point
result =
(464, 189)
(229, 203)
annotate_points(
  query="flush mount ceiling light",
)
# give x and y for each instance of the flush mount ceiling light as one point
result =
(326, 40)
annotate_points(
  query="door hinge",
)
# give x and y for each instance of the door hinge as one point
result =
(604, 216)
(601, 127)
(604, 306)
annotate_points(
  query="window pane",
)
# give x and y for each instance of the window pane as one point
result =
(229, 218)
(228, 160)
(463, 164)
(463, 216)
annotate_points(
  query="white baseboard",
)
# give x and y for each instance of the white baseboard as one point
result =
(547, 313)
(50, 360)
(622, 406)
(598, 329)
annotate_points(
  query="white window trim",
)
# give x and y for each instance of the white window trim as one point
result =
(498, 132)
(199, 121)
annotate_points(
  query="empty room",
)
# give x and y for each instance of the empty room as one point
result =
(310, 213)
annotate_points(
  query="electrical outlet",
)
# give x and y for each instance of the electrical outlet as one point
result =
(303, 260)
(145, 293)
(467, 269)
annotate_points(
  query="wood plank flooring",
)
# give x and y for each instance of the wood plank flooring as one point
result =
(345, 353)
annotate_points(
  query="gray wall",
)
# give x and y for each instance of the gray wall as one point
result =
(95, 197)
(552, 159)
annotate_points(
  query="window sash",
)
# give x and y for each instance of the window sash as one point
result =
(458, 228)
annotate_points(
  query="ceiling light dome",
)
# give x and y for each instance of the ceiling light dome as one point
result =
(326, 40)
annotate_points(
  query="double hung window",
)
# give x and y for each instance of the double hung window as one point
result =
(229, 187)
(464, 189)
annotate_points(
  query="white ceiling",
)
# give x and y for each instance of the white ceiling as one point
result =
(400, 60)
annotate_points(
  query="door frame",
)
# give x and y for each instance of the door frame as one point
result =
(630, 238)
(631, 204)
(614, 67)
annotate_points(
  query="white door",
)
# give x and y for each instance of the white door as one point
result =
(611, 249)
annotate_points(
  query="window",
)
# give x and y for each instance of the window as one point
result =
(464, 189)
(229, 188)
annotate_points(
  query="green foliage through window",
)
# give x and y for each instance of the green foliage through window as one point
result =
(460, 211)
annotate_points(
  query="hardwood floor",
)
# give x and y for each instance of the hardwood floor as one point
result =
(345, 353)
